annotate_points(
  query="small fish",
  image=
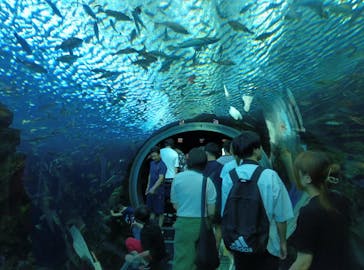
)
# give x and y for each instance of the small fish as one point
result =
(237, 26)
(226, 62)
(112, 24)
(23, 43)
(219, 13)
(175, 27)
(70, 44)
(108, 74)
(68, 58)
(135, 13)
(96, 31)
(54, 8)
(234, 113)
(144, 63)
(273, 6)
(128, 50)
(191, 79)
(98, 70)
(89, 11)
(166, 65)
(132, 36)
(32, 66)
(316, 6)
(264, 36)
(333, 123)
(226, 92)
(119, 16)
(198, 43)
(147, 55)
(245, 8)
(247, 102)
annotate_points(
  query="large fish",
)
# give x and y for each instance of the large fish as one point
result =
(23, 43)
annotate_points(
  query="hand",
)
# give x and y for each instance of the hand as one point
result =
(129, 258)
(152, 191)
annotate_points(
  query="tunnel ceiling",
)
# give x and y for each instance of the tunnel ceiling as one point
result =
(111, 69)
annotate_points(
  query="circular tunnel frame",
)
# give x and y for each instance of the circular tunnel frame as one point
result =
(134, 193)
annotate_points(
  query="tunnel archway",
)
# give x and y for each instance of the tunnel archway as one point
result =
(135, 178)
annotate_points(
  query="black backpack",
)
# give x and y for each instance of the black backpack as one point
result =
(245, 225)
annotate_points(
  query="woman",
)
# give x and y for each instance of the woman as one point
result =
(322, 227)
(186, 199)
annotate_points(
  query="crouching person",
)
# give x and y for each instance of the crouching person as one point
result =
(152, 253)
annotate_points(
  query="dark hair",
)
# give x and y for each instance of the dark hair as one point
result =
(213, 149)
(226, 146)
(244, 144)
(142, 214)
(155, 149)
(316, 165)
(169, 142)
(196, 159)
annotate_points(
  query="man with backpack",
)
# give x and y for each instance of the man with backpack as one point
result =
(255, 208)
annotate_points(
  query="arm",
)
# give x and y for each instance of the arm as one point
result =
(302, 262)
(282, 229)
(147, 189)
(157, 184)
(211, 210)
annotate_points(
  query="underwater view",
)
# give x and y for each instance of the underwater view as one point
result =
(87, 88)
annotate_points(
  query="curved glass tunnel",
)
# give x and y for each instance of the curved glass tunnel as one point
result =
(87, 88)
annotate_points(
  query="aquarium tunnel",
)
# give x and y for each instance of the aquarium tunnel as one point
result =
(88, 88)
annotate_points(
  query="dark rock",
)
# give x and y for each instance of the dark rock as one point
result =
(9, 140)
(6, 116)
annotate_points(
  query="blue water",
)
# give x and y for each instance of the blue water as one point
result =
(92, 103)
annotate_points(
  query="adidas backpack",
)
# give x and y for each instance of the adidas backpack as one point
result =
(245, 225)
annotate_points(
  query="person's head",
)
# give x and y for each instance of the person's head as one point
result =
(312, 170)
(247, 145)
(142, 214)
(226, 147)
(196, 159)
(212, 150)
(155, 153)
(168, 142)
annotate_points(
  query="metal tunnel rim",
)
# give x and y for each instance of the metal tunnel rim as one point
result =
(134, 196)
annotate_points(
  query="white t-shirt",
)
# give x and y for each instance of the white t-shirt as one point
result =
(274, 195)
(186, 193)
(170, 158)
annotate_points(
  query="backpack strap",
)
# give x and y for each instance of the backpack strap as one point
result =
(255, 176)
(234, 175)
(258, 171)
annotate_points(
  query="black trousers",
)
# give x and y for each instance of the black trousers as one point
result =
(261, 261)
